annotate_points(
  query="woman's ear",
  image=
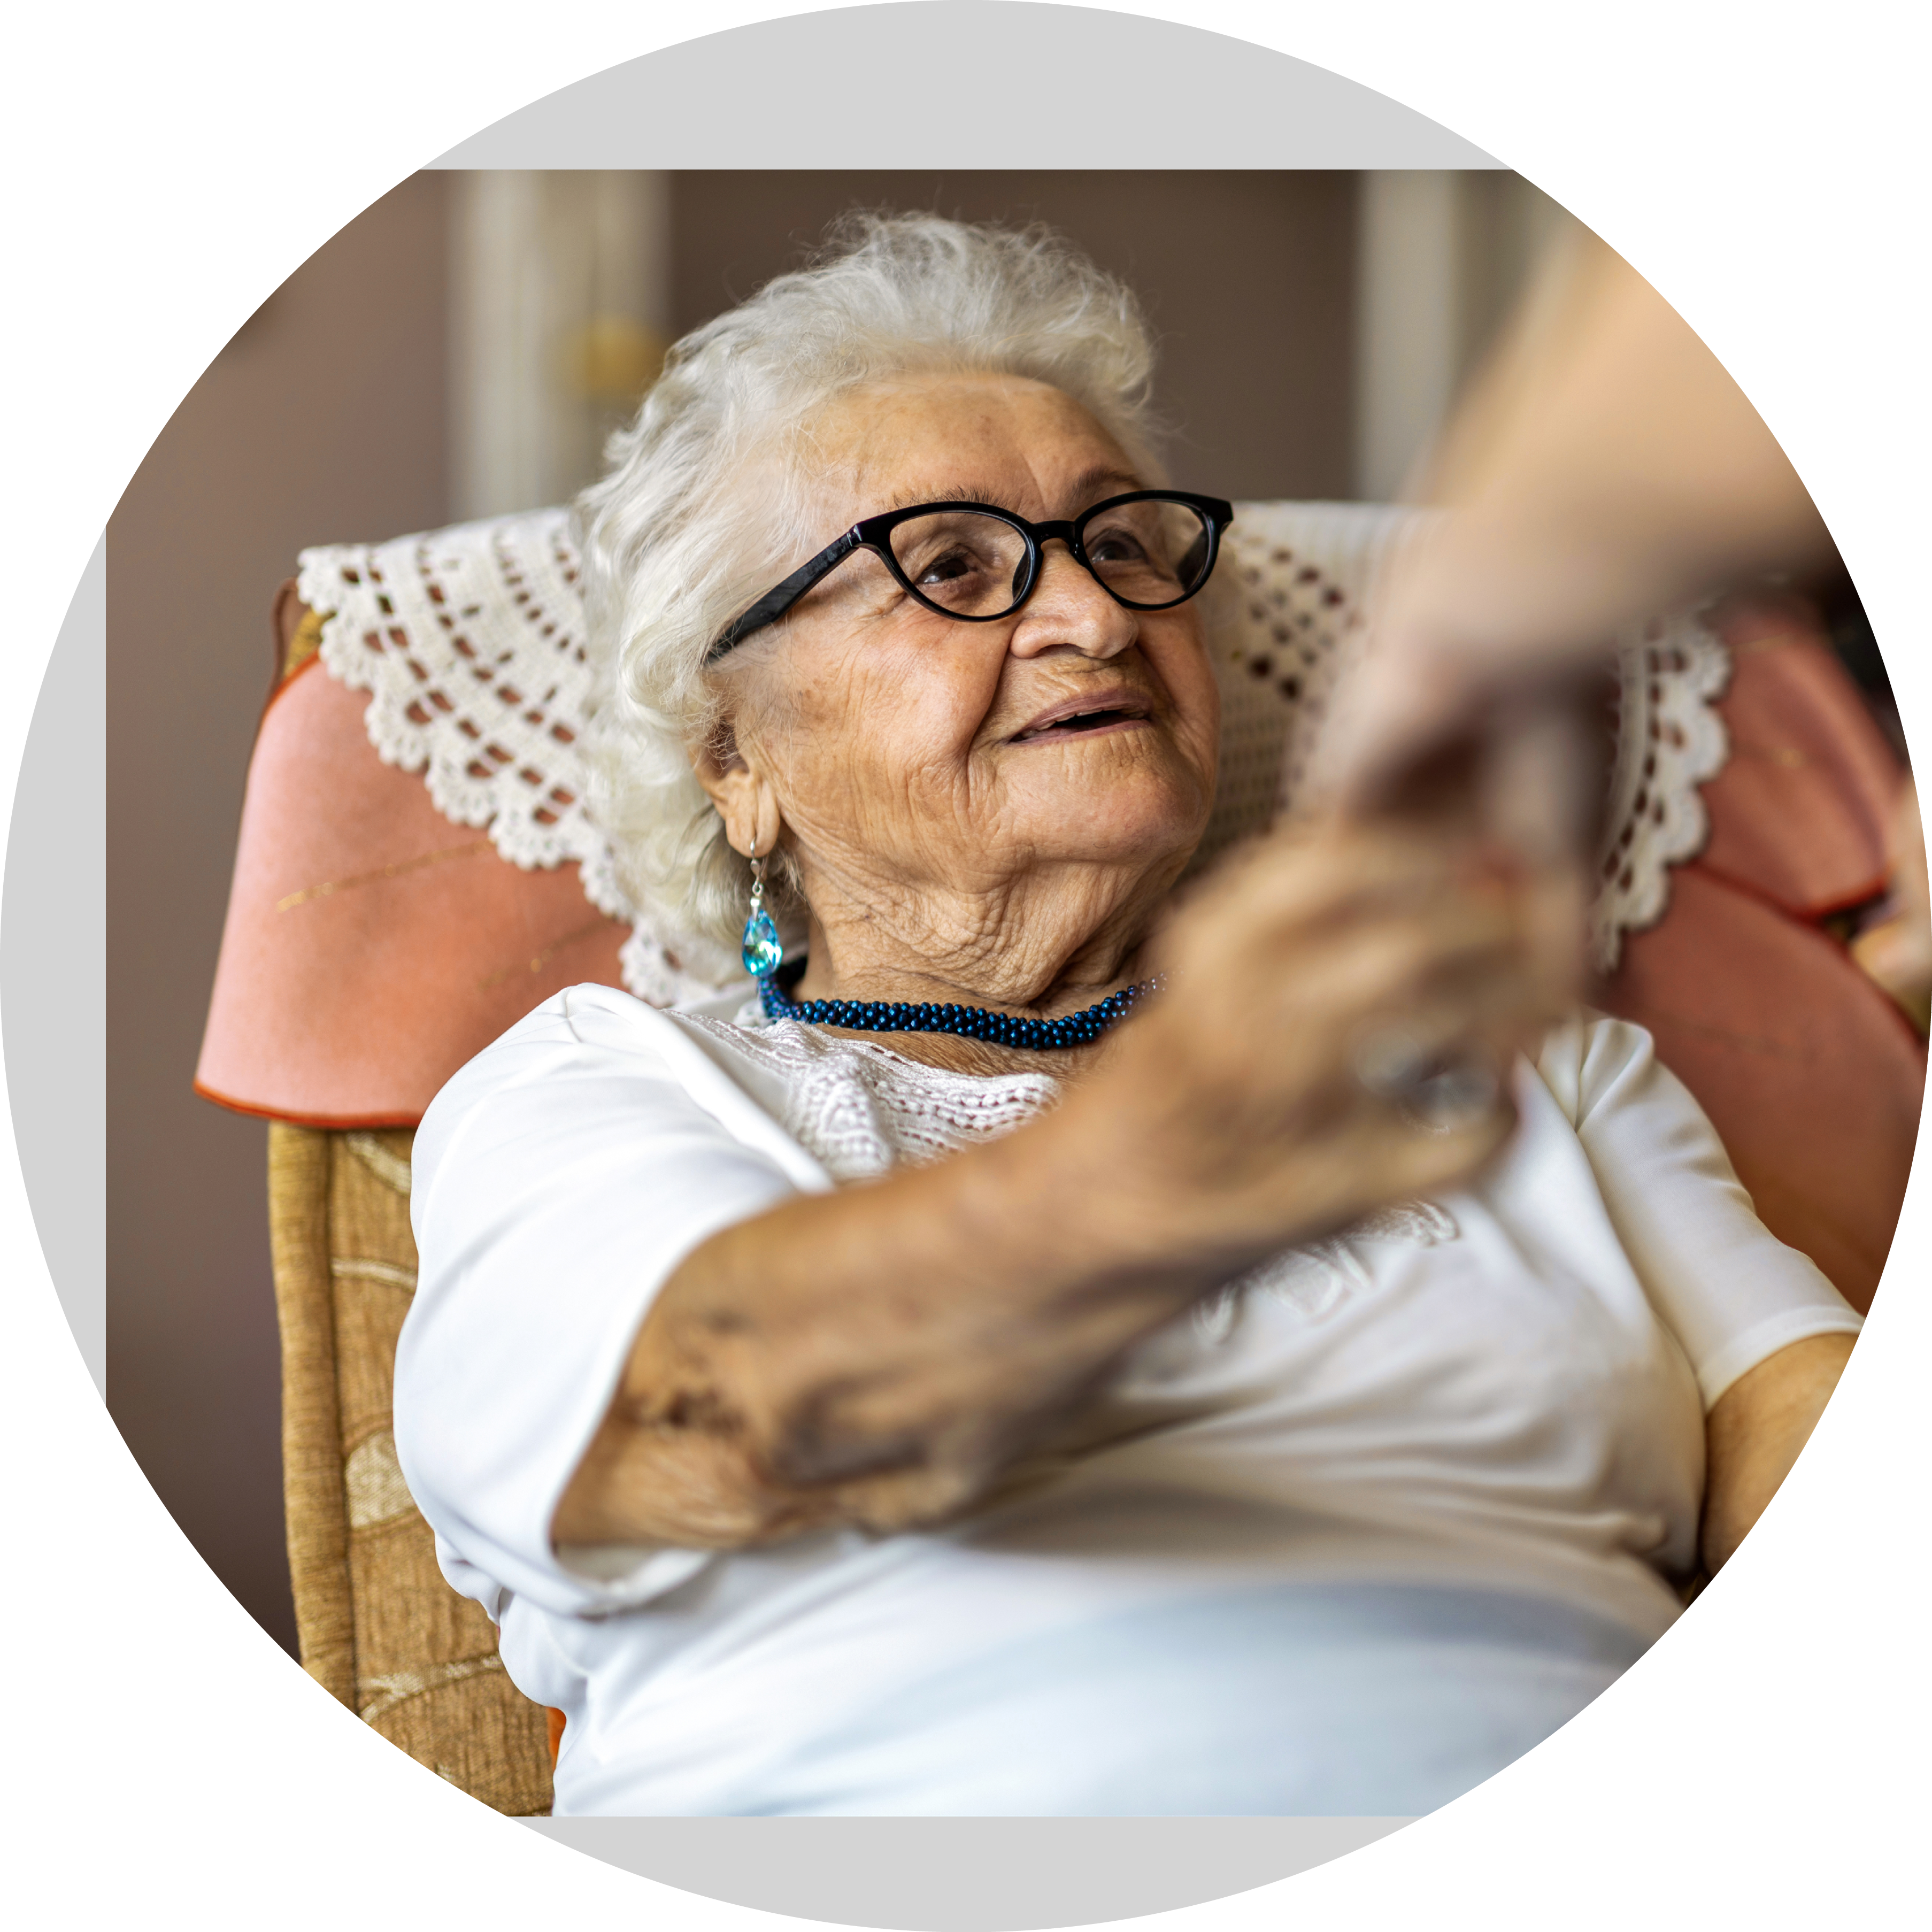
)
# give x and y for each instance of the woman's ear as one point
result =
(744, 797)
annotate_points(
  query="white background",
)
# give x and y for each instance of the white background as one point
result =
(166, 167)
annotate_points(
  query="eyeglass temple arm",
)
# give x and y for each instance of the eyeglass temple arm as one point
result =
(776, 601)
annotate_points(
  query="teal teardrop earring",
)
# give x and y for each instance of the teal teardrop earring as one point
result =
(764, 949)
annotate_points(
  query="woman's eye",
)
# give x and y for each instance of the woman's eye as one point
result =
(1116, 546)
(946, 569)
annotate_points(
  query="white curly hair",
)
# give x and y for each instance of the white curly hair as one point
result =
(706, 501)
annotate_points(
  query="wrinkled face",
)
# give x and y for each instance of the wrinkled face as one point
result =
(908, 749)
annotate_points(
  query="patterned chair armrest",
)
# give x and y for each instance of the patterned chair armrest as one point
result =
(379, 1627)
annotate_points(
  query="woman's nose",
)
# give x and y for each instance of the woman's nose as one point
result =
(1068, 609)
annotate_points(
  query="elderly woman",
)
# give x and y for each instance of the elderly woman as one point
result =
(1052, 1348)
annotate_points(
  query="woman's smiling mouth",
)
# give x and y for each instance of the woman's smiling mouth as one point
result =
(1086, 717)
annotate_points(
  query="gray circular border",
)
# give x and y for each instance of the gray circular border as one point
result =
(1181, 97)
(1185, 97)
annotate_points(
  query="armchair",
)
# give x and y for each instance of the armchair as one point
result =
(417, 869)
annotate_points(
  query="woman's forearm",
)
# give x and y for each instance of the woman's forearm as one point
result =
(1754, 1432)
(876, 1355)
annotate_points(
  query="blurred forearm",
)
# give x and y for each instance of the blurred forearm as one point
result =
(1602, 469)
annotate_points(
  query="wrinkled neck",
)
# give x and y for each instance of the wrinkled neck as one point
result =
(1053, 941)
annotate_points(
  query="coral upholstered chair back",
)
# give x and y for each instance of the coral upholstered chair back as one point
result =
(417, 869)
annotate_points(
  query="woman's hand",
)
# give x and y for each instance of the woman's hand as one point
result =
(879, 1355)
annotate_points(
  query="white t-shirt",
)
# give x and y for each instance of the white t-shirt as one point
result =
(1348, 1536)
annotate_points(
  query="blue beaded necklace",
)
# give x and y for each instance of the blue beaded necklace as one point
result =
(763, 951)
(972, 1022)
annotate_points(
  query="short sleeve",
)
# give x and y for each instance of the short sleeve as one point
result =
(1727, 1288)
(558, 1180)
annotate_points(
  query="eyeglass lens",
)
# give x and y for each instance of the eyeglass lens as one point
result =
(971, 565)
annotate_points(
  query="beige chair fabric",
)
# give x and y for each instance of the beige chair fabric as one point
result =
(379, 1627)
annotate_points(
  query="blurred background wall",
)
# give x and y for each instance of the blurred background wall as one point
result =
(463, 348)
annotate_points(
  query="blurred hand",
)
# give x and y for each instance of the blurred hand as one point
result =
(1281, 1088)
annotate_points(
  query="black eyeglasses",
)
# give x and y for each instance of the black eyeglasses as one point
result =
(1149, 550)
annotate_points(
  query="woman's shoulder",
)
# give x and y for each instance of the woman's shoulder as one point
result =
(594, 1016)
(581, 1032)
(583, 1041)
(573, 1026)
(1591, 1057)
(595, 1060)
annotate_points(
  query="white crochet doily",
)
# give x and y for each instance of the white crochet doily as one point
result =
(1670, 740)
(470, 643)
